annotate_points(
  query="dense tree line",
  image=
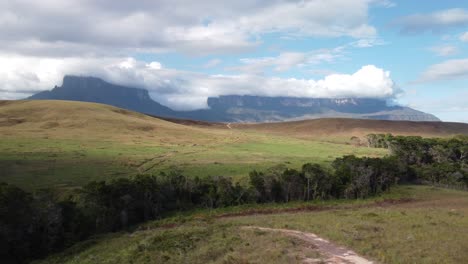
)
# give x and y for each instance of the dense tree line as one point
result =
(432, 160)
(33, 225)
(350, 178)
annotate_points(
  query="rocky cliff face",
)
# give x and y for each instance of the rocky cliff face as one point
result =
(231, 108)
(353, 105)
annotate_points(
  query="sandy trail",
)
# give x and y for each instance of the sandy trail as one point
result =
(229, 125)
(334, 254)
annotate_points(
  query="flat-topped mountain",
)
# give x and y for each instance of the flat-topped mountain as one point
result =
(231, 108)
(261, 109)
(95, 90)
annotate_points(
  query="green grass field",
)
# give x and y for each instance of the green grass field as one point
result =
(67, 144)
(36, 163)
(411, 224)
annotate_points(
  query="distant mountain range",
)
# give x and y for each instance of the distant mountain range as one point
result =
(231, 108)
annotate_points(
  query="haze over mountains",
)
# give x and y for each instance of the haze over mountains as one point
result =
(231, 108)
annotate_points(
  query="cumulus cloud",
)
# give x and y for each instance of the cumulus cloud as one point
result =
(447, 70)
(435, 22)
(44, 40)
(444, 50)
(22, 76)
(88, 27)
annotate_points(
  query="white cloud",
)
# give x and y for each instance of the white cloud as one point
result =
(183, 89)
(367, 43)
(445, 50)
(288, 60)
(464, 37)
(450, 69)
(434, 22)
(155, 65)
(106, 27)
(283, 62)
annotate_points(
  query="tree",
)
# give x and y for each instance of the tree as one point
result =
(257, 181)
(16, 224)
(318, 181)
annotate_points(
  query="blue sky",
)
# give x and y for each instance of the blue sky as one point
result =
(415, 52)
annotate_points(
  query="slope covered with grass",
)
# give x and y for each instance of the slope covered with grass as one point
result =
(62, 143)
(344, 128)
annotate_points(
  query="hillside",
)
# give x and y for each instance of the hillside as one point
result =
(50, 143)
(70, 143)
(231, 108)
(91, 121)
(347, 127)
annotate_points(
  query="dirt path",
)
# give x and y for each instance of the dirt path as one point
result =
(229, 125)
(334, 254)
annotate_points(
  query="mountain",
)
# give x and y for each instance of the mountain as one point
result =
(95, 90)
(231, 108)
(260, 109)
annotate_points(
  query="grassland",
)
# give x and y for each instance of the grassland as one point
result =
(41, 162)
(341, 129)
(67, 144)
(411, 224)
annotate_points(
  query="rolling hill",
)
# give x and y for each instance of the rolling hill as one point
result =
(347, 127)
(90, 121)
(70, 119)
(64, 143)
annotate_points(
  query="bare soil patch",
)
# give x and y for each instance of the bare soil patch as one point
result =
(331, 252)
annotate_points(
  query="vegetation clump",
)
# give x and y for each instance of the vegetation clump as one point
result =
(431, 160)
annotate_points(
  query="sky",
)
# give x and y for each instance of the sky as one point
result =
(414, 53)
